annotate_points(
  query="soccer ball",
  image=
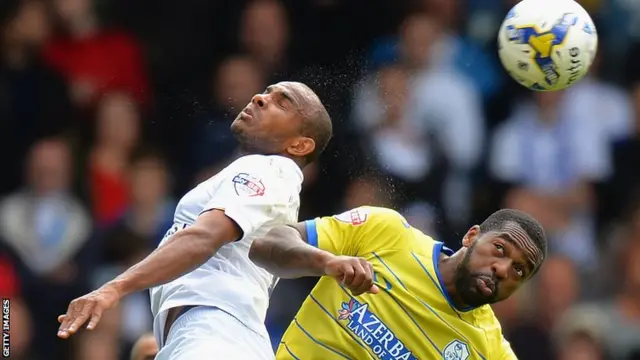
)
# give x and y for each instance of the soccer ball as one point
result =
(547, 45)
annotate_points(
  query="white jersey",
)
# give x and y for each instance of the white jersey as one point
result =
(257, 192)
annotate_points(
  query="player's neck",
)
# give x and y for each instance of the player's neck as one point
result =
(300, 162)
(447, 266)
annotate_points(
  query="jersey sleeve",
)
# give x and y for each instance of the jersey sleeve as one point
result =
(253, 195)
(504, 351)
(500, 349)
(357, 231)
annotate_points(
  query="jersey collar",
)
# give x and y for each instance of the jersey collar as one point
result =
(437, 249)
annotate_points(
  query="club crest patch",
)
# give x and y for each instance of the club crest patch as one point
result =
(354, 217)
(456, 350)
(247, 185)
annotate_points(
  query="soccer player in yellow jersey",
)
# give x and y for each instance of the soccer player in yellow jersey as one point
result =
(412, 298)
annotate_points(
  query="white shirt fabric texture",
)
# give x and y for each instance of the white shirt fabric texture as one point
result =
(257, 192)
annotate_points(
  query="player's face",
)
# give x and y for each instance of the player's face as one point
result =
(492, 269)
(272, 122)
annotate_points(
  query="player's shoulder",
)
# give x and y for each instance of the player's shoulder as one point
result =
(485, 316)
(274, 167)
(373, 216)
(487, 320)
(259, 177)
(263, 161)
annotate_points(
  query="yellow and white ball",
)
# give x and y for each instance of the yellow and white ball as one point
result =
(547, 45)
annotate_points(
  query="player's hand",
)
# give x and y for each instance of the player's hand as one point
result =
(354, 273)
(90, 308)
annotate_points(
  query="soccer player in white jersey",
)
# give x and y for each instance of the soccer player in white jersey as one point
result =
(208, 299)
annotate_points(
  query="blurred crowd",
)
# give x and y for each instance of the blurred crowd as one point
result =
(113, 109)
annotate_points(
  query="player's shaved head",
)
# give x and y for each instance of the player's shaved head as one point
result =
(523, 229)
(287, 119)
(316, 122)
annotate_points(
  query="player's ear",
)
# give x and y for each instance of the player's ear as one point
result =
(301, 146)
(471, 236)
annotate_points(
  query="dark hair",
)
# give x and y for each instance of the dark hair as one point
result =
(317, 125)
(497, 221)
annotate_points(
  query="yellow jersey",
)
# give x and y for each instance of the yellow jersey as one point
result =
(411, 318)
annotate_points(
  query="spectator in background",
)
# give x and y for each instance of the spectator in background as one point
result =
(441, 45)
(48, 230)
(234, 83)
(151, 209)
(548, 161)
(438, 108)
(145, 348)
(581, 345)
(462, 52)
(135, 235)
(626, 157)
(447, 11)
(149, 214)
(264, 35)
(418, 36)
(94, 60)
(557, 290)
(119, 329)
(33, 100)
(622, 232)
(608, 106)
(400, 149)
(579, 336)
(620, 37)
(621, 311)
(116, 136)
(619, 280)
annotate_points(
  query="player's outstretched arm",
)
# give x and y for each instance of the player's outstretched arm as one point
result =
(284, 252)
(183, 252)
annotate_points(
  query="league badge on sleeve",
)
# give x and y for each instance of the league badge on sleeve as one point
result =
(354, 217)
(247, 185)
